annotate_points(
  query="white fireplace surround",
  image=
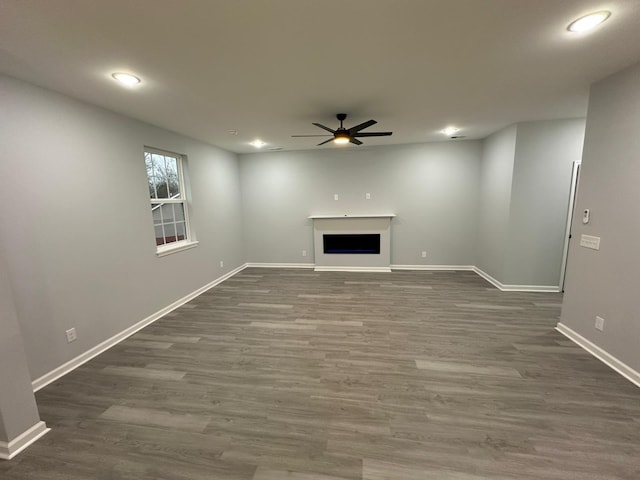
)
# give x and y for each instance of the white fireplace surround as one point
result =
(352, 224)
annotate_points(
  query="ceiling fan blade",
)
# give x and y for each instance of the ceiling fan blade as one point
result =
(326, 141)
(323, 127)
(362, 126)
(355, 141)
(309, 135)
(373, 134)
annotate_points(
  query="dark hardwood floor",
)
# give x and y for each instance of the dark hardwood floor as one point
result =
(295, 375)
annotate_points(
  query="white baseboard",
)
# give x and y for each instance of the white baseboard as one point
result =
(8, 450)
(516, 288)
(436, 268)
(622, 368)
(352, 269)
(280, 265)
(74, 363)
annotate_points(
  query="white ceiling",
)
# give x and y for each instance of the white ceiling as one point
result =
(268, 68)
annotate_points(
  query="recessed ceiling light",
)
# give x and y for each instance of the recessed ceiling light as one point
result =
(126, 79)
(450, 130)
(258, 143)
(588, 22)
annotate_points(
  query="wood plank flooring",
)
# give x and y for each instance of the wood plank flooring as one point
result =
(295, 375)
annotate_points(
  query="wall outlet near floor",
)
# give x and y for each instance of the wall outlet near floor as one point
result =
(367, 196)
(304, 253)
(599, 323)
(72, 336)
(336, 196)
(424, 254)
(221, 263)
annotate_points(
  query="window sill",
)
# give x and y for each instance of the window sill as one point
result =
(171, 249)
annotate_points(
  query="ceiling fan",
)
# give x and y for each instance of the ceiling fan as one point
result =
(343, 135)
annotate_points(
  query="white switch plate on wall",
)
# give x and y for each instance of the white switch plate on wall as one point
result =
(600, 323)
(588, 241)
(71, 335)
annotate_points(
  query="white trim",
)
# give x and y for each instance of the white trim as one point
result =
(488, 278)
(74, 363)
(280, 265)
(622, 368)
(531, 288)
(325, 268)
(575, 172)
(22, 441)
(499, 285)
(382, 215)
(434, 267)
(173, 248)
(516, 288)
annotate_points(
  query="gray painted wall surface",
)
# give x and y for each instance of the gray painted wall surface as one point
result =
(432, 188)
(605, 282)
(18, 411)
(76, 224)
(544, 156)
(496, 178)
(524, 197)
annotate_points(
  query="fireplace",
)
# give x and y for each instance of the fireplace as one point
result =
(352, 243)
(356, 243)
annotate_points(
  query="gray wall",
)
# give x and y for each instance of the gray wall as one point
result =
(605, 282)
(18, 411)
(496, 178)
(524, 198)
(432, 188)
(544, 156)
(76, 225)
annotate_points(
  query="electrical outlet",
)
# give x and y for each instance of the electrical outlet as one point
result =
(600, 323)
(336, 196)
(304, 253)
(424, 254)
(71, 335)
(221, 263)
(367, 196)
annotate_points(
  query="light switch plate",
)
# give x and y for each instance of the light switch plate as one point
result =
(589, 241)
(71, 335)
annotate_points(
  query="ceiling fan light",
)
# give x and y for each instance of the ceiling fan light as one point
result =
(341, 139)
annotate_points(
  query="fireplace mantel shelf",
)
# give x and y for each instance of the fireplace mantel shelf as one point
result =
(381, 215)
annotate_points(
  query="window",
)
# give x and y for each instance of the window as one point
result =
(168, 200)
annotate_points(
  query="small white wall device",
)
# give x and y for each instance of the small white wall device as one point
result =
(585, 216)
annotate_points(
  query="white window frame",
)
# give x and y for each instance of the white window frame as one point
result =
(189, 241)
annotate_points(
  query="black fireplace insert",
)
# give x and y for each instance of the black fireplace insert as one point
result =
(367, 243)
